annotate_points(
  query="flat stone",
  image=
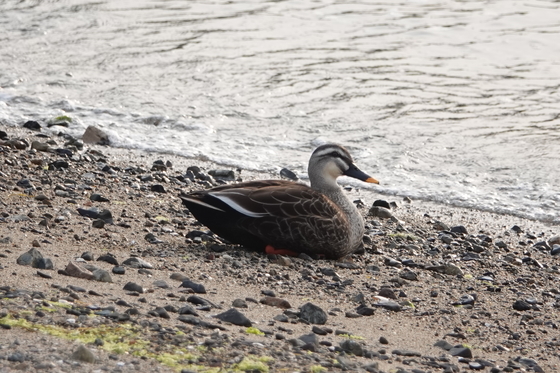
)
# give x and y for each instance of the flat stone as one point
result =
(75, 270)
(197, 288)
(108, 258)
(235, 317)
(276, 302)
(444, 345)
(137, 263)
(461, 351)
(131, 286)
(187, 310)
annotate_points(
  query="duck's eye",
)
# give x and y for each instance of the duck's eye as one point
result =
(335, 155)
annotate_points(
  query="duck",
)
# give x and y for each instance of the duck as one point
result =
(286, 217)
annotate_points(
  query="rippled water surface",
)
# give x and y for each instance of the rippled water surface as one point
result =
(451, 101)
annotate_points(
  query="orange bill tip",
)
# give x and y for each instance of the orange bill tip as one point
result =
(371, 180)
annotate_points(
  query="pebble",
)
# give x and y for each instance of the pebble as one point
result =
(118, 270)
(197, 288)
(522, 305)
(276, 302)
(32, 258)
(235, 317)
(137, 263)
(461, 351)
(109, 258)
(380, 212)
(239, 303)
(131, 286)
(82, 353)
(352, 346)
(313, 314)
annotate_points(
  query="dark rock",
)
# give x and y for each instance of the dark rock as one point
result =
(406, 353)
(240, 303)
(288, 174)
(222, 174)
(187, 310)
(197, 288)
(161, 312)
(118, 270)
(319, 331)
(30, 258)
(380, 212)
(310, 339)
(44, 263)
(17, 357)
(235, 317)
(88, 255)
(383, 340)
(158, 188)
(58, 165)
(151, 238)
(131, 286)
(461, 351)
(195, 299)
(109, 258)
(382, 203)
(276, 302)
(101, 275)
(521, 305)
(98, 198)
(32, 125)
(444, 345)
(352, 346)
(364, 310)
(313, 314)
(98, 223)
(459, 229)
(137, 263)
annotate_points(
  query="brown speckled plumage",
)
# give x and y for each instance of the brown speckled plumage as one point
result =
(287, 215)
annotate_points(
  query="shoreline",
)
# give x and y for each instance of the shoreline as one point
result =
(417, 263)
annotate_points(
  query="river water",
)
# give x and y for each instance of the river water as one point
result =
(450, 101)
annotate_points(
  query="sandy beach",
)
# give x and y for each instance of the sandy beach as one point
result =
(436, 288)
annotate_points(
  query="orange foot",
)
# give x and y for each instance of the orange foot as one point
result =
(271, 250)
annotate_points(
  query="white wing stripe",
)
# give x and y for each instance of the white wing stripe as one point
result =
(237, 207)
(198, 202)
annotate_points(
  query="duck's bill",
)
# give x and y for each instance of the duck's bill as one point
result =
(356, 173)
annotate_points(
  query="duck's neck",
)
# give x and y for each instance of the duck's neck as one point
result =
(332, 190)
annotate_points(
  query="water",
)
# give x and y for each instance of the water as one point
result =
(450, 101)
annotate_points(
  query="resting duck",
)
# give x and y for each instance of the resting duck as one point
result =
(284, 217)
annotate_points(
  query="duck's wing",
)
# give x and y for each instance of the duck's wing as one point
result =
(288, 216)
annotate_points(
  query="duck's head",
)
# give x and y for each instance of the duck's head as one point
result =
(329, 161)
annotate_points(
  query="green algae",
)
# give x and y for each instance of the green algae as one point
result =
(253, 363)
(125, 338)
(253, 330)
(317, 369)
